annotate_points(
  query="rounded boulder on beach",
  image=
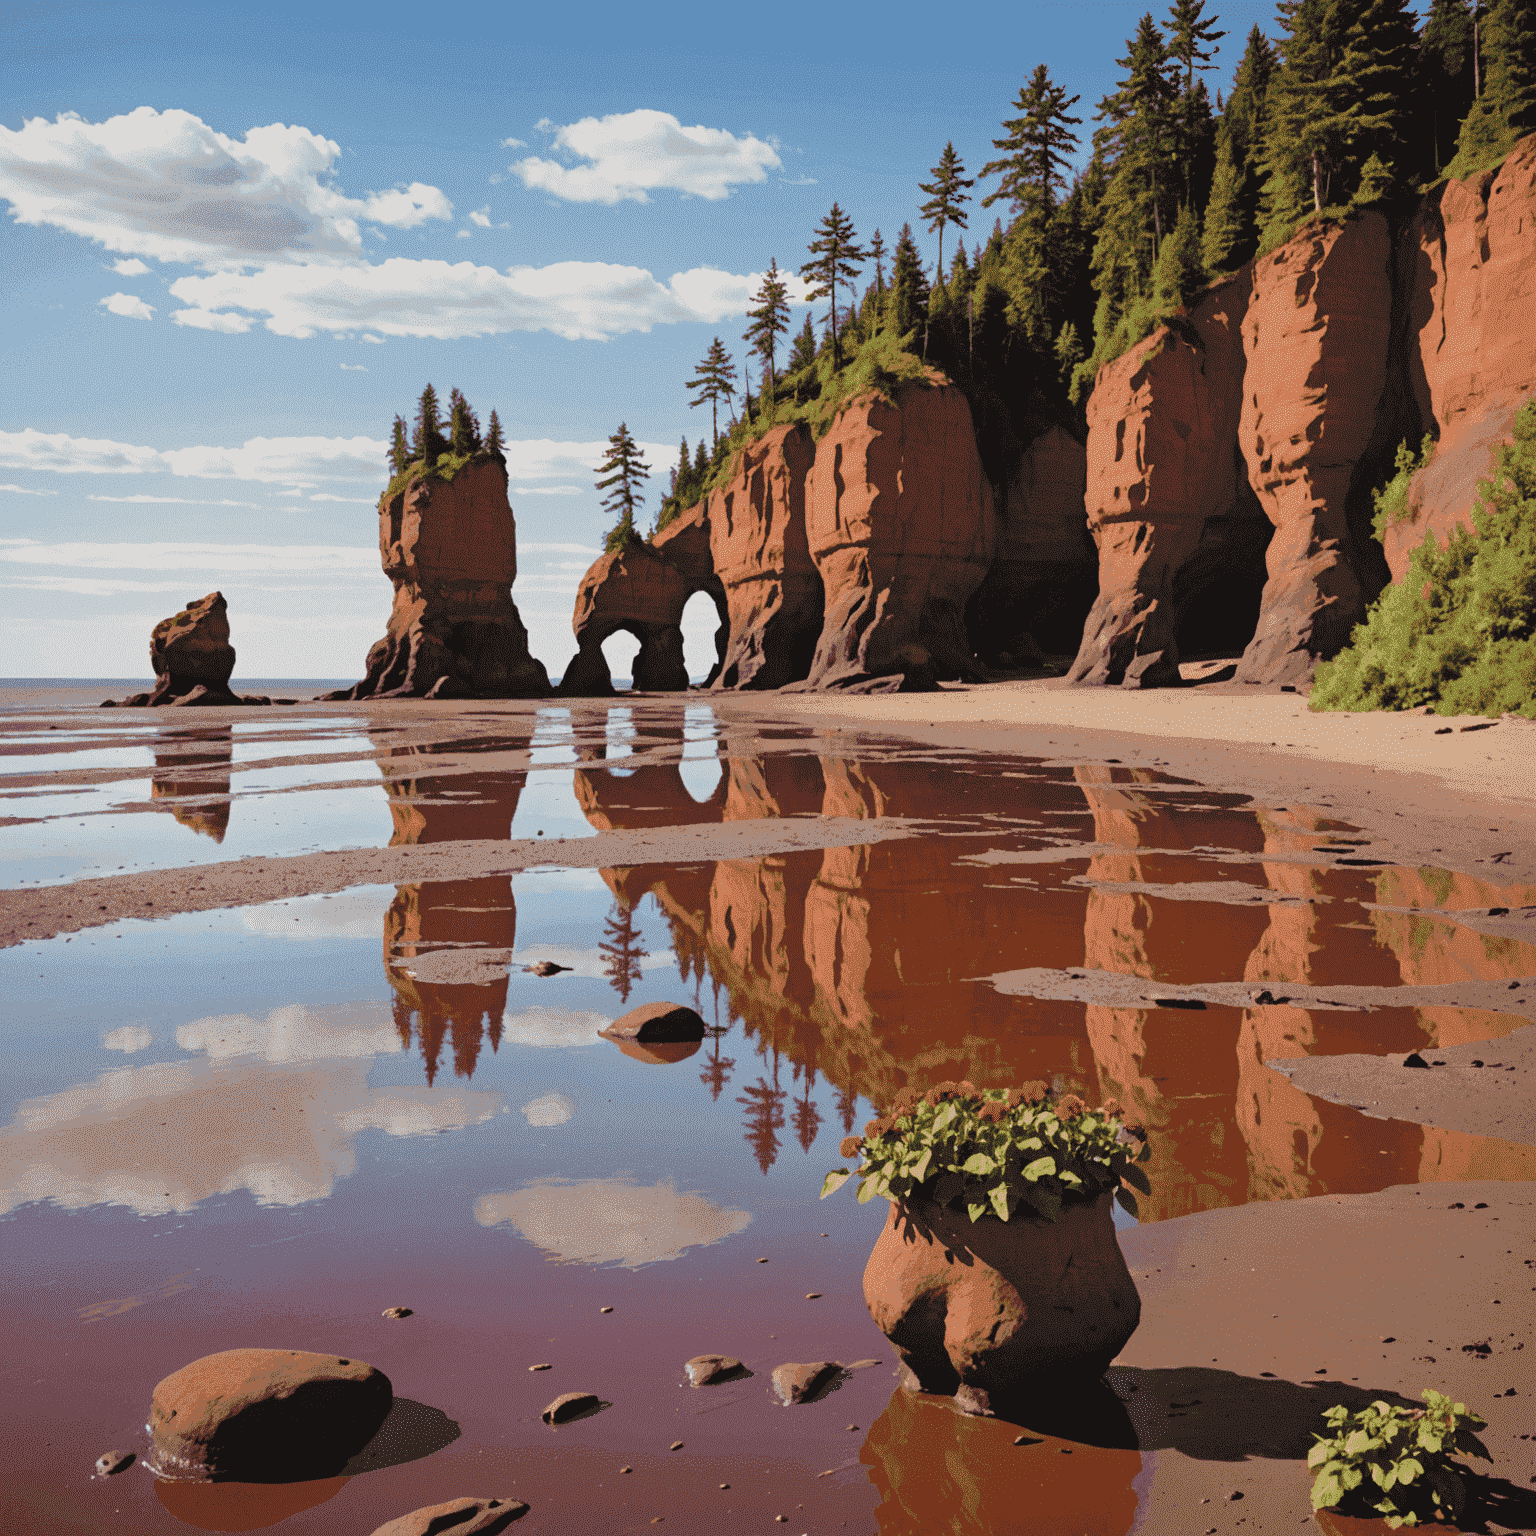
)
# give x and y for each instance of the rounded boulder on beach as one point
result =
(463, 1517)
(265, 1415)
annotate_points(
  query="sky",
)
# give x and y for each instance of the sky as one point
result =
(241, 239)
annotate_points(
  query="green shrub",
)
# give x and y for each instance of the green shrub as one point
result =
(1458, 632)
(1395, 1462)
(993, 1152)
(1391, 501)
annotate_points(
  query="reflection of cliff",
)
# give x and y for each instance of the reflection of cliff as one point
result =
(856, 963)
(449, 914)
(192, 770)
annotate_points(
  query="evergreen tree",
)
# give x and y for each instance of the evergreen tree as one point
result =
(428, 441)
(700, 465)
(620, 476)
(1179, 271)
(621, 950)
(1231, 216)
(681, 470)
(715, 381)
(399, 448)
(770, 319)
(908, 302)
(1037, 147)
(1506, 109)
(1446, 89)
(764, 1105)
(1069, 352)
(717, 1072)
(803, 353)
(493, 435)
(1189, 33)
(463, 428)
(877, 256)
(946, 199)
(807, 1114)
(835, 255)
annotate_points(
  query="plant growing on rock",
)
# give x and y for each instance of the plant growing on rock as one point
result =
(996, 1152)
(1395, 1461)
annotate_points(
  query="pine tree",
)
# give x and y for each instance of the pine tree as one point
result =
(908, 302)
(807, 1115)
(1446, 89)
(1506, 109)
(946, 199)
(877, 256)
(1179, 271)
(1037, 147)
(428, 442)
(718, 1071)
(715, 381)
(1189, 33)
(620, 476)
(621, 950)
(399, 448)
(803, 353)
(835, 256)
(764, 1105)
(1069, 352)
(700, 465)
(463, 428)
(1231, 216)
(770, 319)
(493, 442)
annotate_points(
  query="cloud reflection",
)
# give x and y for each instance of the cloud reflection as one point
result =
(549, 1109)
(610, 1221)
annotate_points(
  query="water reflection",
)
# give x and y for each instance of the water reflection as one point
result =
(192, 769)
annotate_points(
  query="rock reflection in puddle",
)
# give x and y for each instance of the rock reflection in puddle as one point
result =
(939, 1470)
(611, 1221)
(243, 1506)
(192, 771)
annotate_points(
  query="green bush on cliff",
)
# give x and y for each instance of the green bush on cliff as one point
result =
(1391, 501)
(1458, 632)
(996, 1152)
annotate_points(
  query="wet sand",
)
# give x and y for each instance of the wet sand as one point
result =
(1283, 1295)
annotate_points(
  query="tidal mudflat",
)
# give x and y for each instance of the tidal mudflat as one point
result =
(281, 1057)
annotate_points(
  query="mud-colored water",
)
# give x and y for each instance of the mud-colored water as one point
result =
(265, 1125)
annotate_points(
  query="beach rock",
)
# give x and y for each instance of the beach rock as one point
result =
(570, 1405)
(900, 524)
(759, 549)
(796, 1383)
(635, 589)
(706, 1370)
(1471, 254)
(1044, 577)
(265, 1415)
(191, 655)
(462, 1517)
(1315, 337)
(981, 1310)
(450, 548)
(1161, 463)
(657, 1022)
(685, 544)
(398, 1314)
(110, 1463)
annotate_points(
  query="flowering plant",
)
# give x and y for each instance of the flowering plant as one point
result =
(993, 1152)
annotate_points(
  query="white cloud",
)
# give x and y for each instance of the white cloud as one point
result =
(551, 1028)
(26, 490)
(558, 549)
(549, 490)
(377, 341)
(631, 154)
(296, 1034)
(549, 1109)
(128, 305)
(544, 458)
(166, 185)
(235, 558)
(128, 1039)
(481, 216)
(584, 962)
(579, 300)
(286, 459)
(353, 915)
(463, 234)
(610, 1221)
(131, 267)
(354, 368)
(511, 144)
(202, 320)
(360, 501)
(171, 501)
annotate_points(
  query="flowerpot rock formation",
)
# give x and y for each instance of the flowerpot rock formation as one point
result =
(983, 1311)
(631, 588)
(450, 548)
(191, 655)
(265, 1416)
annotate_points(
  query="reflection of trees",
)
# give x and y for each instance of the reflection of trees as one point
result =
(807, 1112)
(764, 1118)
(717, 1071)
(192, 769)
(621, 950)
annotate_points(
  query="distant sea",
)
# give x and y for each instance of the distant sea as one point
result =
(34, 695)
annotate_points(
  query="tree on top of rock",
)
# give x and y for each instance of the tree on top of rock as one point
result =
(493, 442)
(1506, 108)
(1231, 215)
(399, 448)
(428, 442)
(620, 476)
(835, 257)
(1037, 147)
(463, 428)
(770, 319)
(946, 199)
(908, 303)
(715, 381)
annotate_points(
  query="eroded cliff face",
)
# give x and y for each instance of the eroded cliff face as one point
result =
(900, 524)
(450, 548)
(1471, 264)
(757, 539)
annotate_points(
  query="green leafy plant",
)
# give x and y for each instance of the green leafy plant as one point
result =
(996, 1152)
(1391, 501)
(1394, 1461)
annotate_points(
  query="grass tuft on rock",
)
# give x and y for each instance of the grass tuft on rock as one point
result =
(1458, 632)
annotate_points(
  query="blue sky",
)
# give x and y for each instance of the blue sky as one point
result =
(241, 239)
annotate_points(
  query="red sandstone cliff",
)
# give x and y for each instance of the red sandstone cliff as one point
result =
(450, 547)
(900, 523)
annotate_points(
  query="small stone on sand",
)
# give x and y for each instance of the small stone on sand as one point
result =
(570, 1405)
(396, 1313)
(110, 1462)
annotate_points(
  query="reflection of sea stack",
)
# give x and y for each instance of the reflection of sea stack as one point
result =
(450, 914)
(192, 776)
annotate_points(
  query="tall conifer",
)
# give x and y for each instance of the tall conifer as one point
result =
(770, 319)
(835, 257)
(946, 199)
(399, 448)
(714, 381)
(1506, 109)
(620, 477)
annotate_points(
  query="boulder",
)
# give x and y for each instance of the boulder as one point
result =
(758, 546)
(707, 1370)
(1161, 463)
(450, 548)
(571, 1405)
(1045, 576)
(461, 1517)
(900, 524)
(265, 1416)
(657, 1022)
(1472, 259)
(1315, 338)
(630, 588)
(800, 1382)
(191, 655)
